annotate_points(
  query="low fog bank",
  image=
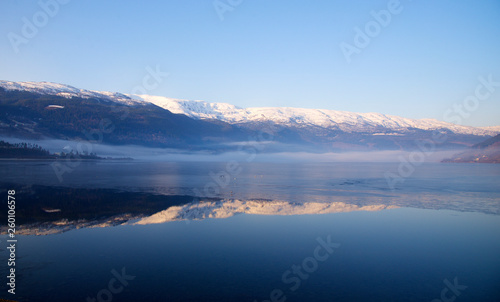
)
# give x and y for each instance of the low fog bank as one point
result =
(247, 153)
(369, 156)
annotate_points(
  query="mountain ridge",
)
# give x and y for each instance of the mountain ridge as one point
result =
(290, 116)
(34, 115)
(344, 120)
(487, 151)
(320, 129)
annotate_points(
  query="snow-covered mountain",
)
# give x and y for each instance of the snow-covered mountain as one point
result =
(492, 128)
(66, 91)
(313, 129)
(375, 123)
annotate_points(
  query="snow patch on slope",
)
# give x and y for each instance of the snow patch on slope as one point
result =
(350, 122)
(67, 91)
(302, 117)
(491, 128)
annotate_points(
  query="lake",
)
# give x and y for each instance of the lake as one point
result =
(237, 231)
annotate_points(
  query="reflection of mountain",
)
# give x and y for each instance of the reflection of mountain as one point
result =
(47, 210)
(195, 211)
(64, 225)
(50, 210)
(45, 204)
(228, 208)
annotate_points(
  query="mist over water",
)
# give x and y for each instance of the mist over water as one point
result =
(250, 151)
(216, 224)
(243, 152)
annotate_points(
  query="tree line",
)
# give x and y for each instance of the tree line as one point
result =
(29, 150)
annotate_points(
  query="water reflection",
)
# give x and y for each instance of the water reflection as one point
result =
(49, 210)
(238, 244)
(228, 208)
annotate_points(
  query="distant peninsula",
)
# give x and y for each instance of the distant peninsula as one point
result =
(484, 152)
(34, 151)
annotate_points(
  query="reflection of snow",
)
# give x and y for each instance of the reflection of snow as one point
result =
(64, 225)
(47, 210)
(198, 211)
(228, 208)
(444, 200)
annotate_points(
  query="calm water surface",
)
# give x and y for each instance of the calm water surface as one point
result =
(439, 228)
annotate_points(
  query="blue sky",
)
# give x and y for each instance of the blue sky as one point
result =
(427, 59)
